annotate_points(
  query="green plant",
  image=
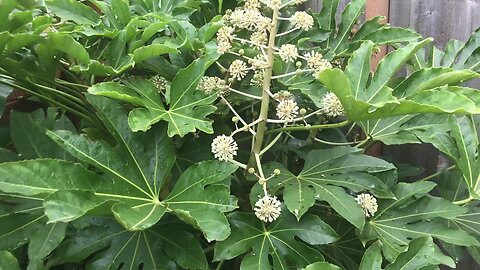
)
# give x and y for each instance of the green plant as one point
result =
(163, 135)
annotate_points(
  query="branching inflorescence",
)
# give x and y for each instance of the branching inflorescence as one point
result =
(250, 34)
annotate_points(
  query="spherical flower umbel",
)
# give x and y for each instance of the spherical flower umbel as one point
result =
(238, 69)
(267, 209)
(316, 62)
(302, 20)
(259, 38)
(282, 95)
(368, 203)
(252, 4)
(212, 84)
(331, 105)
(159, 82)
(288, 53)
(272, 3)
(287, 109)
(224, 148)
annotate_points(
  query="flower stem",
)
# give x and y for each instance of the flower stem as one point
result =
(314, 127)
(437, 174)
(465, 201)
(263, 116)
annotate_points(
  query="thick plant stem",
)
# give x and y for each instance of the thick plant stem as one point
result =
(263, 116)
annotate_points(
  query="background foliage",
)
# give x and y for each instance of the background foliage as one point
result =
(101, 169)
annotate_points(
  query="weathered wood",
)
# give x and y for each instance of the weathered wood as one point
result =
(317, 4)
(441, 19)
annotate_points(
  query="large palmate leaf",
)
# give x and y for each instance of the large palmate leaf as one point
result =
(405, 128)
(413, 214)
(457, 55)
(188, 108)
(278, 241)
(28, 133)
(421, 252)
(134, 173)
(461, 145)
(325, 176)
(343, 41)
(106, 245)
(366, 98)
(8, 261)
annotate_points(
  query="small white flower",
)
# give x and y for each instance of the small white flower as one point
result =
(246, 18)
(287, 109)
(283, 95)
(224, 148)
(252, 4)
(368, 203)
(316, 62)
(159, 82)
(259, 38)
(212, 84)
(331, 105)
(298, 2)
(272, 3)
(258, 62)
(302, 20)
(223, 46)
(225, 34)
(257, 79)
(238, 69)
(264, 24)
(288, 53)
(267, 209)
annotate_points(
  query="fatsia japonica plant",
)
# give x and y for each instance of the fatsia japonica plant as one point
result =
(187, 134)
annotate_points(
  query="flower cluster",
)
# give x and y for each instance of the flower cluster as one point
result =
(368, 204)
(288, 53)
(224, 148)
(238, 69)
(212, 84)
(159, 82)
(331, 105)
(302, 20)
(268, 208)
(316, 62)
(287, 109)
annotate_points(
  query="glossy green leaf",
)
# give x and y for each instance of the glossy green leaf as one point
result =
(188, 107)
(20, 220)
(348, 19)
(45, 240)
(464, 133)
(8, 261)
(28, 133)
(71, 10)
(321, 265)
(414, 214)
(278, 240)
(200, 198)
(110, 247)
(421, 253)
(390, 35)
(406, 128)
(67, 44)
(146, 52)
(325, 175)
(372, 259)
(43, 176)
